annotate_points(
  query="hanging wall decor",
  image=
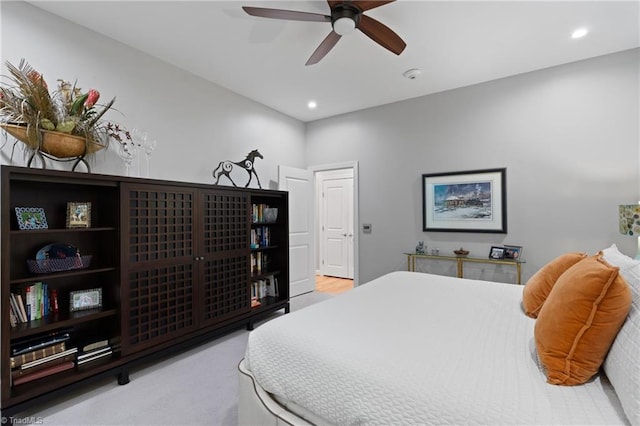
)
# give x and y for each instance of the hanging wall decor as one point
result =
(469, 201)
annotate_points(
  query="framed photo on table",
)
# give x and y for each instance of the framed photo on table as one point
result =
(513, 252)
(496, 252)
(78, 215)
(471, 201)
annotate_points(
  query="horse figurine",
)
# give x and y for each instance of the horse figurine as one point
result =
(226, 167)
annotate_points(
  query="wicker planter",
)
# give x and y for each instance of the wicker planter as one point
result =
(60, 145)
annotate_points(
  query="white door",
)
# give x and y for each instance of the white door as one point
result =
(299, 184)
(337, 226)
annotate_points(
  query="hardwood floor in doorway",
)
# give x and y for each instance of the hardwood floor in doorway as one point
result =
(332, 285)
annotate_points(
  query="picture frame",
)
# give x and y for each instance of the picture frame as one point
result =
(85, 299)
(466, 201)
(78, 214)
(31, 218)
(512, 252)
(496, 252)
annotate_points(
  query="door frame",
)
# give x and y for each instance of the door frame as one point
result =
(356, 210)
(322, 177)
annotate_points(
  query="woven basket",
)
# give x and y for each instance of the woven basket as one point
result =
(46, 266)
(57, 144)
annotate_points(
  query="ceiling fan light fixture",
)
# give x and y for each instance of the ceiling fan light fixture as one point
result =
(344, 19)
(344, 26)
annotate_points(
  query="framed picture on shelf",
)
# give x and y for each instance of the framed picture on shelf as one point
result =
(496, 253)
(31, 218)
(470, 201)
(85, 299)
(78, 215)
(512, 252)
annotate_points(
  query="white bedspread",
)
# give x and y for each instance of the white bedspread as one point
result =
(414, 348)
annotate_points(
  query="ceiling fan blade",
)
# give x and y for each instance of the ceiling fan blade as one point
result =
(324, 48)
(290, 15)
(381, 34)
(333, 3)
(364, 5)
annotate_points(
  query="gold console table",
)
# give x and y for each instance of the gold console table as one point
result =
(461, 260)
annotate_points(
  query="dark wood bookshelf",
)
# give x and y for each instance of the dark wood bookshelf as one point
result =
(172, 260)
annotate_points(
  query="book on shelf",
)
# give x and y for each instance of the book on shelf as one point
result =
(28, 298)
(14, 309)
(17, 308)
(18, 360)
(260, 262)
(272, 286)
(44, 372)
(35, 304)
(263, 213)
(94, 355)
(23, 312)
(260, 237)
(99, 344)
(48, 358)
(18, 372)
(98, 348)
(94, 352)
(38, 342)
(258, 212)
(267, 286)
(12, 319)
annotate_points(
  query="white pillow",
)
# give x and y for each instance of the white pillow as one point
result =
(622, 365)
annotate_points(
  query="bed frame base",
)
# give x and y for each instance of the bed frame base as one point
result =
(257, 407)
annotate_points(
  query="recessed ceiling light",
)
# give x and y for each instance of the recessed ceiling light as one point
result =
(312, 105)
(579, 33)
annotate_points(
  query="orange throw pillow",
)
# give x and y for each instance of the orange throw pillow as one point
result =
(580, 319)
(540, 284)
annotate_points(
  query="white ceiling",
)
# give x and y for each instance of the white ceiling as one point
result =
(454, 43)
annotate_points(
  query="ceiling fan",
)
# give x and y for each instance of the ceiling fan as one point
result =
(345, 17)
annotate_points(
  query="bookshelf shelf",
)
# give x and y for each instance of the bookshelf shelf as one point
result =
(60, 320)
(264, 248)
(28, 233)
(56, 275)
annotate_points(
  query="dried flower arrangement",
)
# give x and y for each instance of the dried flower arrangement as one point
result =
(33, 115)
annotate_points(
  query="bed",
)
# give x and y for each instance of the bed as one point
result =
(416, 348)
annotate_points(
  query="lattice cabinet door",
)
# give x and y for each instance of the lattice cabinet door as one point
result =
(225, 246)
(159, 264)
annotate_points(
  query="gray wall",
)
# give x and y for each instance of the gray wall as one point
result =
(197, 123)
(567, 135)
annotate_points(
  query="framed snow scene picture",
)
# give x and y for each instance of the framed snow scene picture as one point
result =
(470, 201)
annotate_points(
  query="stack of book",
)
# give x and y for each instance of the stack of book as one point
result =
(260, 262)
(95, 350)
(257, 212)
(41, 356)
(268, 286)
(260, 237)
(36, 302)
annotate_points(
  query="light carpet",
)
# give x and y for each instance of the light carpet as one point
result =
(195, 387)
